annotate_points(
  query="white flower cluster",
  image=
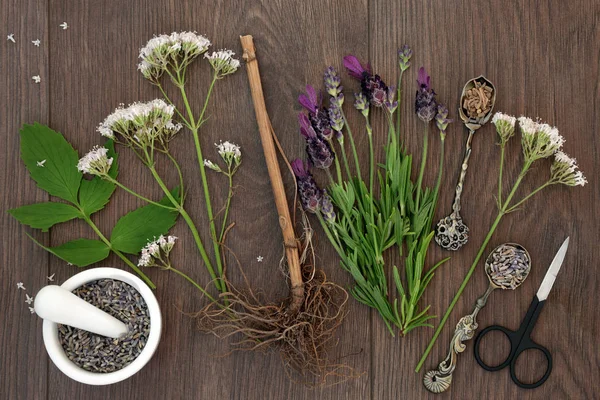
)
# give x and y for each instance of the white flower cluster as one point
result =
(231, 154)
(96, 162)
(177, 49)
(141, 123)
(539, 140)
(223, 62)
(157, 250)
(505, 126)
(565, 170)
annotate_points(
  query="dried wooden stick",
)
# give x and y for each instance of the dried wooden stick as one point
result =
(285, 222)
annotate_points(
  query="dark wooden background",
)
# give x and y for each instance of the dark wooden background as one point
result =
(543, 58)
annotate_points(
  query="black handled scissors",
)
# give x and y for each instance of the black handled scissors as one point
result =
(520, 340)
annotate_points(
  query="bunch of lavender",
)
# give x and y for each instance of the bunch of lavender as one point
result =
(538, 141)
(147, 128)
(359, 225)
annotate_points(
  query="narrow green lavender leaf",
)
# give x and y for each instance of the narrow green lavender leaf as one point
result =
(44, 215)
(51, 161)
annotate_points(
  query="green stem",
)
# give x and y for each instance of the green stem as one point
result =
(524, 199)
(423, 163)
(229, 196)
(110, 179)
(338, 169)
(352, 144)
(181, 188)
(117, 252)
(346, 165)
(192, 227)
(398, 109)
(371, 165)
(438, 183)
(209, 209)
(500, 173)
(501, 213)
(193, 282)
(185, 121)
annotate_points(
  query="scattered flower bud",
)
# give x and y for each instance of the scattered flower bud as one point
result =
(404, 55)
(425, 103)
(223, 62)
(564, 170)
(95, 162)
(308, 191)
(505, 126)
(539, 140)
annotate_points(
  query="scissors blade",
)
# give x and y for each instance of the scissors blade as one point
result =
(550, 277)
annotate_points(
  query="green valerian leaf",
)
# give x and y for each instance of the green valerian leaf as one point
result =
(51, 161)
(95, 193)
(135, 229)
(44, 215)
(79, 252)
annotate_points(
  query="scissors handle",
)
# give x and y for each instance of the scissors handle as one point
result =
(520, 341)
(512, 338)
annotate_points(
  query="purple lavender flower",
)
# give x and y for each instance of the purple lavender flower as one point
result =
(425, 104)
(308, 191)
(361, 103)
(441, 119)
(355, 68)
(372, 86)
(321, 124)
(337, 120)
(311, 100)
(318, 149)
(327, 208)
(404, 55)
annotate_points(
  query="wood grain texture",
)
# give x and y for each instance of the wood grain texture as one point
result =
(543, 58)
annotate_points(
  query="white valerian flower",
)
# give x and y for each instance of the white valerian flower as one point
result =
(64, 25)
(212, 165)
(32, 310)
(176, 50)
(259, 259)
(157, 250)
(51, 278)
(36, 42)
(564, 170)
(95, 162)
(28, 299)
(505, 126)
(539, 140)
(140, 124)
(230, 153)
(20, 286)
(36, 78)
(40, 163)
(11, 37)
(223, 62)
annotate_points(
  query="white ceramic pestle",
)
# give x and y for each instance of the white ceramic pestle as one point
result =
(56, 304)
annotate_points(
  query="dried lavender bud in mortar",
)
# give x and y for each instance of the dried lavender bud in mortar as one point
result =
(508, 267)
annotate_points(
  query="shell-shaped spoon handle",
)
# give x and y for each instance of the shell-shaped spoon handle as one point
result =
(63, 307)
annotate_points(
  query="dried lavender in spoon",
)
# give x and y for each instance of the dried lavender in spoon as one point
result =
(101, 354)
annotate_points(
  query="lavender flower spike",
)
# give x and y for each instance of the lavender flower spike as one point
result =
(311, 101)
(441, 119)
(337, 120)
(318, 149)
(390, 103)
(425, 103)
(308, 191)
(327, 208)
(332, 82)
(404, 55)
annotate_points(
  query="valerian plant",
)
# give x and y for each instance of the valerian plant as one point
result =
(361, 224)
(145, 128)
(538, 141)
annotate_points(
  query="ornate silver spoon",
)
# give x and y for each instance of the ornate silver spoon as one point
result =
(476, 105)
(506, 268)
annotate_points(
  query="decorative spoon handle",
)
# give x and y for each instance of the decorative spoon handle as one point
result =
(463, 173)
(437, 381)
